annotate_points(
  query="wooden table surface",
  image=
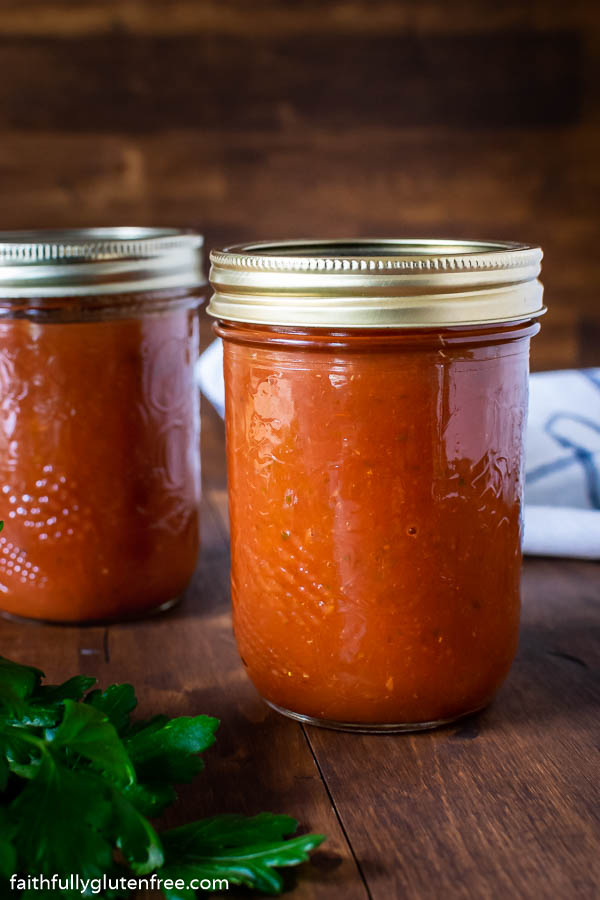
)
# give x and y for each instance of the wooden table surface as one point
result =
(504, 804)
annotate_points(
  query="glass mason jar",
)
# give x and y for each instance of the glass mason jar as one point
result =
(99, 444)
(376, 398)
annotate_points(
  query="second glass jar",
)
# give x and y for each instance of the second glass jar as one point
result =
(100, 445)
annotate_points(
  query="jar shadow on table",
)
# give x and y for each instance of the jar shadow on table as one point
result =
(552, 679)
(553, 676)
(262, 761)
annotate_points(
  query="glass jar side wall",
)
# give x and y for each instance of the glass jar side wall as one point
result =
(99, 458)
(375, 497)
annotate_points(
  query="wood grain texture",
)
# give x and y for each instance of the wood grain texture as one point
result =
(506, 802)
(502, 804)
(219, 17)
(325, 118)
(237, 83)
(186, 663)
(319, 117)
(334, 118)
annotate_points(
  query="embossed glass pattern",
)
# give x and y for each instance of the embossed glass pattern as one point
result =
(375, 495)
(99, 454)
(375, 490)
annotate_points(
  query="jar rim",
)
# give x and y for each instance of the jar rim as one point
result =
(103, 260)
(376, 282)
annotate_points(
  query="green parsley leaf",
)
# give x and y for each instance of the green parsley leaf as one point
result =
(73, 689)
(137, 839)
(45, 895)
(86, 731)
(168, 751)
(4, 770)
(116, 702)
(8, 854)
(79, 782)
(60, 816)
(34, 715)
(243, 850)
(17, 683)
(154, 722)
(151, 799)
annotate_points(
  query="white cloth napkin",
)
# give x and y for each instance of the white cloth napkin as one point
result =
(209, 375)
(562, 485)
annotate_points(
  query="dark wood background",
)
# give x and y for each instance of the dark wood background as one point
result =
(268, 118)
(264, 118)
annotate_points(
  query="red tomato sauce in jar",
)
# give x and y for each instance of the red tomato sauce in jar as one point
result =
(376, 555)
(99, 454)
(375, 489)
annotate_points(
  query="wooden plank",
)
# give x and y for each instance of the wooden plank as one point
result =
(165, 82)
(185, 663)
(59, 651)
(60, 17)
(512, 185)
(504, 803)
(589, 340)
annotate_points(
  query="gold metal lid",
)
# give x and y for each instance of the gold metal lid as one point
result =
(379, 283)
(86, 261)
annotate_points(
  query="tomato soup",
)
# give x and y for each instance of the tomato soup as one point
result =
(375, 488)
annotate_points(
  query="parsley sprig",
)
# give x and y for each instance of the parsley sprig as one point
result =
(79, 783)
